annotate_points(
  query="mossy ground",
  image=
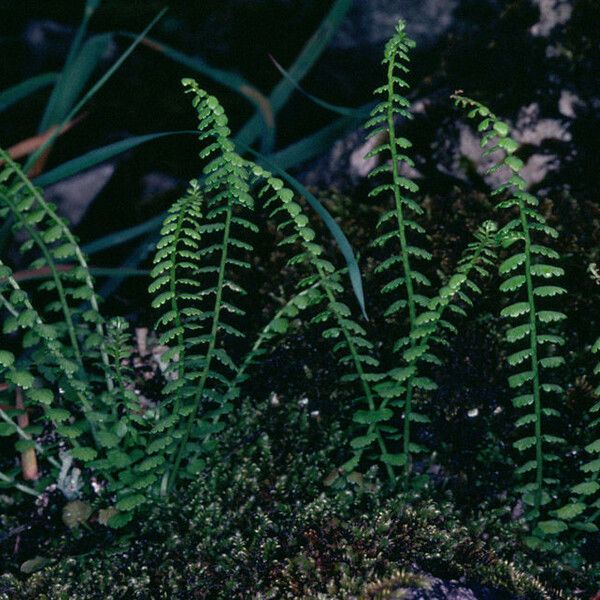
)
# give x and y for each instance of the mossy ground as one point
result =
(269, 518)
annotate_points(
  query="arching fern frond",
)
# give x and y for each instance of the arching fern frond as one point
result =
(47, 363)
(528, 274)
(209, 367)
(76, 298)
(278, 326)
(354, 352)
(432, 327)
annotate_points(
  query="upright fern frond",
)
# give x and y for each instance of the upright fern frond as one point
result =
(129, 462)
(524, 271)
(398, 229)
(432, 326)
(48, 232)
(175, 283)
(590, 488)
(227, 197)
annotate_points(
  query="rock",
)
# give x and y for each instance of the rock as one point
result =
(74, 195)
(372, 22)
(552, 13)
(439, 589)
(569, 103)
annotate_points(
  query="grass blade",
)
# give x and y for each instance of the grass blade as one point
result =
(21, 90)
(79, 66)
(96, 87)
(99, 155)
(133, 260)
(44, 273)
(124, 235)
(320, 141)
(25, 147)
(303, 63)
(339, 110)
(73, 80)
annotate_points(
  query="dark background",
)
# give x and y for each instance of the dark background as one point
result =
(534, 61)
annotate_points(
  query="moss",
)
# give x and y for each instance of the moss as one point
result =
(260, 521)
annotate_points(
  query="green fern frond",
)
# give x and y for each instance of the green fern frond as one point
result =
(582, 512)
(125, 452)
(76, 298)
(276, 327)
(399, 231)
(176, 278)
(527, 272)
(208, 365)
(47, 363)
(432, 327)
(351, 347)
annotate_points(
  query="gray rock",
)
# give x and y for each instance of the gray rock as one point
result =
(438, 589)
(552, 13)
(74, 195)
(372, 22)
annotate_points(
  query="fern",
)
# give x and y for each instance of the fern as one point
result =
(523, 272)
(352, 348)
(398, 224)
(582, 512)
(433, 328)
(204, 310)
(175, 281)
(49, 362)
(129, 459)
(276, 327)
(590, 486)
(48, 232)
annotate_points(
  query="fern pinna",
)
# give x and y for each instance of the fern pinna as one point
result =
(524, 271)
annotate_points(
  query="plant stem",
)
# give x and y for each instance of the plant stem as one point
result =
(211, 347)
(534, 363)
(410, 295)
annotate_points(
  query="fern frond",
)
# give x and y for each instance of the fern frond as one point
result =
(127, 449)
(352, 348)
(208, 366)
(55, 242)
(398, 230)
(277, 326)
(582, 512)
(48, 363)
(176, 278)
(529, 265)
(432, 327)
